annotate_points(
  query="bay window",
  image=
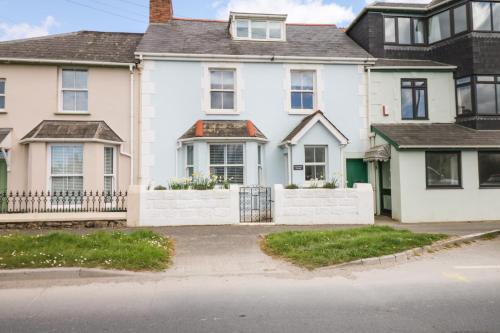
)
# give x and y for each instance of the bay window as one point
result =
(66, 168)
(443, 169)
(74, 90)
(315, 162)
(478, 95)
(486, 16)
(227, 162)
(222, 89)
(464, 96)
(489, 168)
(189, 161)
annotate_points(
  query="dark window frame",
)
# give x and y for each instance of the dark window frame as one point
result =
(479, 168)
(444, 187)
(473, 84)
(414, 90)
(412, 30)
(492, 22)
(468, 11)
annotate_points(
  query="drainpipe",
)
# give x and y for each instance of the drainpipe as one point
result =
(342, 165)
(369, 102)
(290, 165)
(132, 109)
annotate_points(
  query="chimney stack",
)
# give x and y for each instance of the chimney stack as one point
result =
(160, 11)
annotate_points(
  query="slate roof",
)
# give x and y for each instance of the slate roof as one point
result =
(4, 132)
(382, 62)
(212, 37)
(74, 130)
(224, 129)
(303, 124)
(434, 135)
(96, 46)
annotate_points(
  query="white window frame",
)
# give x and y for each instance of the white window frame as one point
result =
(260, 164)
(61, 91)
(189, 166)
(250, 37)
(325, 163)
(318, 100)
(49, 164)
(225, 165)
(113, 175)
(2, 110)
(207, 88)
(222, 90)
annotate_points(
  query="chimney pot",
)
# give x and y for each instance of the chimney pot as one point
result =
(160, 11)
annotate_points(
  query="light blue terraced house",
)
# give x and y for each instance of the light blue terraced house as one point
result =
(254, 100)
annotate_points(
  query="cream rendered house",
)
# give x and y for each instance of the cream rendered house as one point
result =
(67, 112)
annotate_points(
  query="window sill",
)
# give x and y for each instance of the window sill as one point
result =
(489, 187)
(79, 113)
(222, 112)
(444, 188)
(301, 112)
(2, 111)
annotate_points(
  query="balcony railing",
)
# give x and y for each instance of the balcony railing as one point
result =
(62, 202)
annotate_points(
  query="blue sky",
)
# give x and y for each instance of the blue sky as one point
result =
(29, 18)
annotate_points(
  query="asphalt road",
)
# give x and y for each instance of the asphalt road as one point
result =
(454, 290)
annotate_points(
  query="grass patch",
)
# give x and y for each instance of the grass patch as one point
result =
(137, 251)
(314, 249)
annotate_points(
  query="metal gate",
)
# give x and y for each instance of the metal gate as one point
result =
(255, 204)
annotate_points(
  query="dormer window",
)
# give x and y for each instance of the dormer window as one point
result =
(259, 27)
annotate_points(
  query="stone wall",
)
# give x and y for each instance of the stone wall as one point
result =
(324, 206)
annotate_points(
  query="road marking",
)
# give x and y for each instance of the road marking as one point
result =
(456, 277)
(478, 267)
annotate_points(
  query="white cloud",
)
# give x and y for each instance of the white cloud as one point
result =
(301, 11)
(403, 1)
(26, 30)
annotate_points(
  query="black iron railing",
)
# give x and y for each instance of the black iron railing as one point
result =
(62, 202)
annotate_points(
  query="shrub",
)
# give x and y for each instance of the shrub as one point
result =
(292, 187)
(160, 188)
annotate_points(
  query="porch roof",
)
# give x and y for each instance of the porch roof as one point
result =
(220, 129)
(4, 138)
(378, 153)
(67, 130)
(436, 135)
(305, 125)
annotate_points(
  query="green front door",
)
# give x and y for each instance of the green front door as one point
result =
(357, 172)
(3, 176)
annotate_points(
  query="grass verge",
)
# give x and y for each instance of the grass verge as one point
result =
(137, 251)
(314, 249)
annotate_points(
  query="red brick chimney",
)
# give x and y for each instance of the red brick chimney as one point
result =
(160, 11)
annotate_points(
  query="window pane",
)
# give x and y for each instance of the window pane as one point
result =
(2, 87)
(439, 27)
(67, 184)
(218, 171)
(464, 99)
(489, 168)
(69, 100)
(57, 163)
(460, 19)
(419, 31)
(486, 98)
(308, 80)
(235, 175)
(217, 154)
(190, 171)
(420, 104)
(443, 169)
(496, 16)
(2, 102)
(108, 184)
(275, 30)
(228, 101)
(242, 28)
(189, 155)
(81, 79)
(216, 79)
(259, 29)
(320, 172)
(319, 155)
(228, 80)
(309, 154)
(82, 100)
(309, 172)
(108, 161)
(307, 101)
(486, 78)
(216, 100)
(407, 103)
(404, 30)
(406, 84)
(463, 80)
(481, 13)
(234, 154)
(296, 100)
(68, 79)
(390, 29)
(296, 80)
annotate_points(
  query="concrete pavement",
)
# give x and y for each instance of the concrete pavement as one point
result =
(456, 290)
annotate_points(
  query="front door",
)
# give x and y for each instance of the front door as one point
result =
(385, 188)
(357, 172)
(3, 176)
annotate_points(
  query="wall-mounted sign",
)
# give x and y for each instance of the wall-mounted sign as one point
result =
(298, 167)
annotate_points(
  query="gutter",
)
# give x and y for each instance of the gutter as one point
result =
(64, 62)
(79, 140)
(415, 67)
(222, 139)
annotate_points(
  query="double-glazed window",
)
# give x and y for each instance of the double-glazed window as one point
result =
(478, 95)
(109, 170)
(489, 168)
(460, 19)
(486, 16)
(315, 162)
(439, 27)
(2, 94)
(259, 30)
(227, 162)
(404, 30)
(75, 93)
(189, 161)
(443, 169)
(222, 89)
(464, 96)
(414, 99)
(66, 168)
(302, 90)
